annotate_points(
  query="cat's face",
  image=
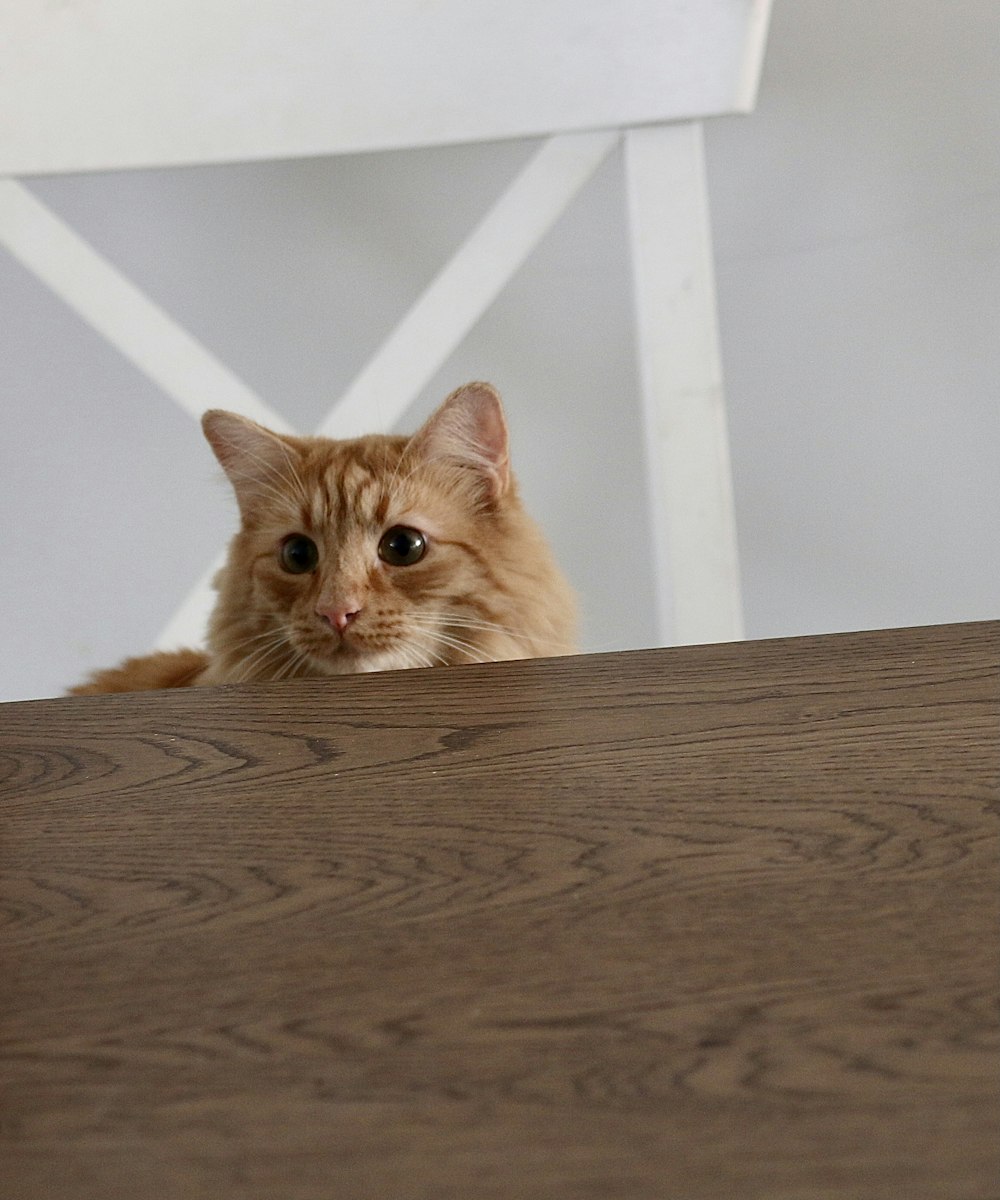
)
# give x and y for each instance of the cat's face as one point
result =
(357, 564)
(373, 554)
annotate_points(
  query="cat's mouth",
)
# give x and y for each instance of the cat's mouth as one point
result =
(353, 651)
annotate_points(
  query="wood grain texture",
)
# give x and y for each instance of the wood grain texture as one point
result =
(707, 922)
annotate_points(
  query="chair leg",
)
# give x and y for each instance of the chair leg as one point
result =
(681, 377)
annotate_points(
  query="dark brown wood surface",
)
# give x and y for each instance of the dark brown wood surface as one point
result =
(707, 922)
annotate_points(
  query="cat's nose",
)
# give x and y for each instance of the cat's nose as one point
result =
(339, 617)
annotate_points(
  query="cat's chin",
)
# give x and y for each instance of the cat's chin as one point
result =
(354, 660)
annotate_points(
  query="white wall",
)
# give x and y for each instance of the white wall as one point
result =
(857, 219)
(857, 226)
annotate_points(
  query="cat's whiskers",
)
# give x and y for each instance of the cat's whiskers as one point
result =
(298, 660)
(268, 636)
(432, 656)
(414, 658)
(425, 656)
(438, 638)
(254, 662)
(495, 627)
(247, 672)
(437, 629)
(255, 637)
(461, 621)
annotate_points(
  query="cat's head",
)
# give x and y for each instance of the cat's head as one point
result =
(376, 553)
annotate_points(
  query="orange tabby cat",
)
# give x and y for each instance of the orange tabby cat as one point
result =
(371, 555)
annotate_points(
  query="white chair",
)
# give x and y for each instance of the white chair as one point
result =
(170, 82)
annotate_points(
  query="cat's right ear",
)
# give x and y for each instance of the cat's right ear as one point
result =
(470, 429)
(256, 460)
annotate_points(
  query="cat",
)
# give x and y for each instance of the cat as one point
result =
(373, 554)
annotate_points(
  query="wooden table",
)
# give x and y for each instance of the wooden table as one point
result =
(706, 922)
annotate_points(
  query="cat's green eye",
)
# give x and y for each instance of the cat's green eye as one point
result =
(401, 546)
(298, 554)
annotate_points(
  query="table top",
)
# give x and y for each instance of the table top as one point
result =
(714, 921)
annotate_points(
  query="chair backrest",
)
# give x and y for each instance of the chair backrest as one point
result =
(169, 82)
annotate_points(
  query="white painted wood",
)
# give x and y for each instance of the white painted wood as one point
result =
(681, 375)
(98, 292)
(468, 284)
(752, 61)
(98, 84)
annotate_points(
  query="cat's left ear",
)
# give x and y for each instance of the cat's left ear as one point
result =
(470, 429)
(256, 460)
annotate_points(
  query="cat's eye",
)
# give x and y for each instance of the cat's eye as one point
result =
(401, 546)
(298, 554)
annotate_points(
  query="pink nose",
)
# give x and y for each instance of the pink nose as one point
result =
(340, 617)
